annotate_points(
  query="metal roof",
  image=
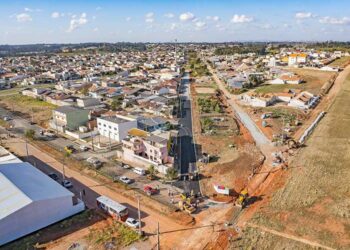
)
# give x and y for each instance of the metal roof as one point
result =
(22, 184)
(111, 203)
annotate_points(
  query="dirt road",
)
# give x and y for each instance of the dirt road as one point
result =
(256, 133)
(93, 188)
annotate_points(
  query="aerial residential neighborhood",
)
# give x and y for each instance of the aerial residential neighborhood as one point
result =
(174, 125)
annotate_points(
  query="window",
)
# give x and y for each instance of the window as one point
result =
(109, 127)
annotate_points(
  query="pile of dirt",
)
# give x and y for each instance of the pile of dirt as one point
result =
(234, 174)
(182, 218)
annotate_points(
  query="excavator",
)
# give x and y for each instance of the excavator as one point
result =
(242, 198)
(189, 208)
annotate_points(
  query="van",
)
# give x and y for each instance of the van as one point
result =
(139, 171)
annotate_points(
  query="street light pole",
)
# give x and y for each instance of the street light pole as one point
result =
(139, 214)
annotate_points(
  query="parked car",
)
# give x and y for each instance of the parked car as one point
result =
(67, 184)
(139, 171)
(94, 162)
(83, 148)
(131, 222)
(125, 180)
(150, 190)
(53, 176)
(7, 118)
(69, 148)
(126, 166)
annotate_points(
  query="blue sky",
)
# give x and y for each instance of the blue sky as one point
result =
(33, 21)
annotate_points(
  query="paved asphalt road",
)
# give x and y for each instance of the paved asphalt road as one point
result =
(187, 154)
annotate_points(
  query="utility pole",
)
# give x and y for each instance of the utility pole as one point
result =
(92, 142)
(158, 241)
(27, 152)
(63, 171)
(139, 213)
(109, 137)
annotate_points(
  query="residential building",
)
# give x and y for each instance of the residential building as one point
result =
(148, 148)
(151, 124)
(115, 127)
(304, 100)
(69, 118)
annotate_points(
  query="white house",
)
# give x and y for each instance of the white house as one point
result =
(115, 127)
(304, 100)
(259, 101)
(30, 200)
(295, 59)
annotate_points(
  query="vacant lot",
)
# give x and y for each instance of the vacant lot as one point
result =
(205, 90)
(28, 106)
(314, 80)
(315, 202)
(341, 62)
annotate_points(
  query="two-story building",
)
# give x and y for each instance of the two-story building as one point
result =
(68, 118)
(146, 149)
(115, 127)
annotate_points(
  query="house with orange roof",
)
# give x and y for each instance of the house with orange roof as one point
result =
(296, 59)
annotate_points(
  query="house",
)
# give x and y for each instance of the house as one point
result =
(68, 118)
(29, 199)
(87, 102)
(148, 148)
(237, 82)
(151, 124)
(258, 101)
(304, 100)
(115, 127)
(291, 79)
(295, 59)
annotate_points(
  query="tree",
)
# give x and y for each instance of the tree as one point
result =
(30, 133)
(171, 174)
(152, 170)
(207, 124)
(115, 104)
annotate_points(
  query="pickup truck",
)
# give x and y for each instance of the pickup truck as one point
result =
(150, 190)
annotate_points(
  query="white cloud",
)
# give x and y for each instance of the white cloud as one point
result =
(77, 22)
(95, 29)
(241, 19)
(333, 20)
(26, 9)
(303, 15)
(55, 14)
(188, 16)
(169, 15)
(200, 25)
(213, 18)
(128, 19)
(23, 17)
(149, 17)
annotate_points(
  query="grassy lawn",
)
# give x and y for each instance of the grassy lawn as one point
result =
(314, 81)
(116, 233)
(277, 88)
(341, 62)
(26, 105)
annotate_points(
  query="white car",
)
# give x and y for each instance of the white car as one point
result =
(67, 184)
(125, 180)
(84, 148)
(126, 166)
(131, 222)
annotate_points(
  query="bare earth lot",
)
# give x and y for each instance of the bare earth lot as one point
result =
(27, 106)
(314, 204)
(314, 80)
